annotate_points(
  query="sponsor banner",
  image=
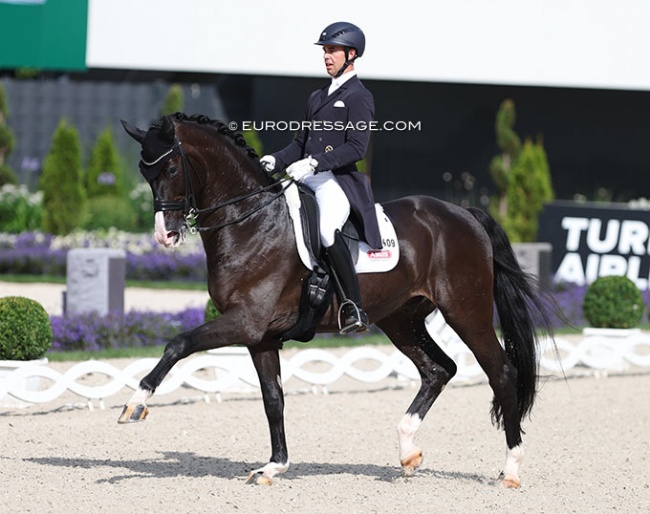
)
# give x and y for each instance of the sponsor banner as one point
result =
(591, 241)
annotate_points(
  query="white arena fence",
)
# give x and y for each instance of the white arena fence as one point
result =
(231, 370)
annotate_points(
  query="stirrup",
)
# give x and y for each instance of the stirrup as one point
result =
(357, 325)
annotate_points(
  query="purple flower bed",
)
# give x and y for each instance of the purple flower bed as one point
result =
(34, 253)
(569, 298)
(92, 332)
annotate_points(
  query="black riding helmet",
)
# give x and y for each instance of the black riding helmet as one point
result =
(343, 34)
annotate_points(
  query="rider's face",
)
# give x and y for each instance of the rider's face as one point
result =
(334, 57)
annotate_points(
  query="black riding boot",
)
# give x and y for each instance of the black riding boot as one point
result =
(351, 315)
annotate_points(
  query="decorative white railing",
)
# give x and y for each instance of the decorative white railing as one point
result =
(231, 369)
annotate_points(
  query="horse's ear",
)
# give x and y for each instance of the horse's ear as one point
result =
(167, 130)
(134, 132)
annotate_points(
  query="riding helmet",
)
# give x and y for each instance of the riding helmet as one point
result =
(344, 34)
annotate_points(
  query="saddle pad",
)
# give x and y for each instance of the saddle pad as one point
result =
(369, 261)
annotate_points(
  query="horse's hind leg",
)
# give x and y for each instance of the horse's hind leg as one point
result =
(407, 331)
(502, 377)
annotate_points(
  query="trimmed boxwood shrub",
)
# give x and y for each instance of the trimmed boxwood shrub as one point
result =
(25, 329)
(613, 302)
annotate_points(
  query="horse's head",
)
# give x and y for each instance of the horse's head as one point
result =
(163, 164)
(183, 176)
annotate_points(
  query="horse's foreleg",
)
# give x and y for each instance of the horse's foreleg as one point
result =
(136, 408)
(267, 364)
(221, 332)
(435, 369)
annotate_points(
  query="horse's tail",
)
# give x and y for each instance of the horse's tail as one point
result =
(521, 305)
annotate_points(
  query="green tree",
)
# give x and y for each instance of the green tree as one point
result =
(173, 101)
(501, 165)
(7, 142)
(61, 182)
(522, 176)
(529, 188)
(253, 140)
(104, 174)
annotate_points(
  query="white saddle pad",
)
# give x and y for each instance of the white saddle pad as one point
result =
(369, 260)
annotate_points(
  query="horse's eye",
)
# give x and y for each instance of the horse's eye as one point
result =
(172, 170)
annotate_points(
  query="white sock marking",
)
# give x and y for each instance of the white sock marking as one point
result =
(406, 430)
(514, 456)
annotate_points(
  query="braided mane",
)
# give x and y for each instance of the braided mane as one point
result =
(222, 128)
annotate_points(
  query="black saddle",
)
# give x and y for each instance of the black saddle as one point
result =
(310, 221)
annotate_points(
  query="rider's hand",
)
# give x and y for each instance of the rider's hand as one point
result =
(268, 163)
(301, 169)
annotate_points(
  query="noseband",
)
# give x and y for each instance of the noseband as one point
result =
(188, 205)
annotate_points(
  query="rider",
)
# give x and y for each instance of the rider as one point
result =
(334, 137)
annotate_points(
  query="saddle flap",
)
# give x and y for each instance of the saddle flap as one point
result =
(310, 217)
(367, 260)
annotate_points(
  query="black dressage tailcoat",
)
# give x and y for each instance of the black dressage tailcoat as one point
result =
(336, 133)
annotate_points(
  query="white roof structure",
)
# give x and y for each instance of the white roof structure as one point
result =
(559, 43)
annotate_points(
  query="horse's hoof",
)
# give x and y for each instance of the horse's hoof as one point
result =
(411, 463)
(511, 482)
(262, 479)
(133, 413)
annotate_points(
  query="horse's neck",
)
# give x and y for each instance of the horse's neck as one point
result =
(236, 176)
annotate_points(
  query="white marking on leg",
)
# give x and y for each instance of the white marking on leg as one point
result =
(140, 397)
(406, 430)
(514, 456)
(268, 472)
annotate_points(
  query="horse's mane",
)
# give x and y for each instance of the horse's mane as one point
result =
(222, 128)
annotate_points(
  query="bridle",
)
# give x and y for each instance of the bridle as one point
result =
(189, 206)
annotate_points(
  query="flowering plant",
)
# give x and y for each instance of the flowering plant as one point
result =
(36, 253)
(19, 209)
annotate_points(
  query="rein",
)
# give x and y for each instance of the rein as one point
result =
(191, 212)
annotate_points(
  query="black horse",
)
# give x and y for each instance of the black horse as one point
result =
(455, 259)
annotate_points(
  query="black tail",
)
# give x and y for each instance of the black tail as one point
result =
(521, 305)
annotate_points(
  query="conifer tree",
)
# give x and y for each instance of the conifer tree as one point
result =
(104, 174)
(7, 142)
(501, 165)
(529, 188)
(173, 101)
(61, 182)
(522, 176)
(253, 140)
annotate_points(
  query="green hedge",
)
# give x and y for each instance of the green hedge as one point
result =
(25, 329)
(613, 302)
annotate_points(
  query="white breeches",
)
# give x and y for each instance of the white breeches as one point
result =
(333, 205)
